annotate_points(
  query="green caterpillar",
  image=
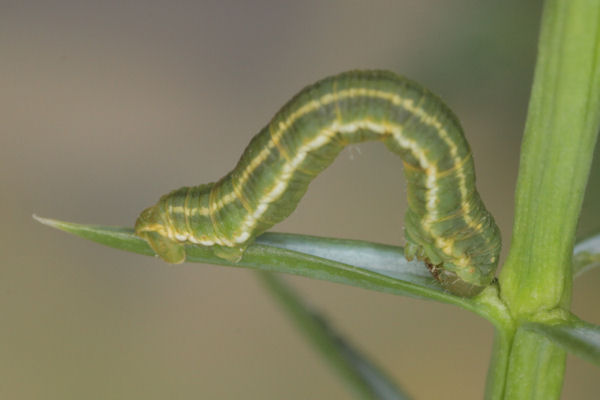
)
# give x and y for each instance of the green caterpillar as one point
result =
(447, 224)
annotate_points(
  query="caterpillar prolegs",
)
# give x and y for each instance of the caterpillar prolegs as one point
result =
(446, 223)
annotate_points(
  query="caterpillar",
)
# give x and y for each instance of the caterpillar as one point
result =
(446, 223)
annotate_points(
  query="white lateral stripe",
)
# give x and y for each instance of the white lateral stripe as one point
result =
(432, 196)
(407, 104)
(249, 221)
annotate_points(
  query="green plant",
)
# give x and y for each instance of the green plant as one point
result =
(529, 307)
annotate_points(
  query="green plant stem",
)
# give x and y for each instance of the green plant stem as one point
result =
(536, 368)
(556, 154)
(496, 377)
(557, 149)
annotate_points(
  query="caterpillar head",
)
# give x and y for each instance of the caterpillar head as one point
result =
(166, 229)
(151, 226)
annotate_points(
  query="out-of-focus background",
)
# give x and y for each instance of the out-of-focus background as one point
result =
(107, 105)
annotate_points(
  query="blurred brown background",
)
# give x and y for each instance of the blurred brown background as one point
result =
(107, 105)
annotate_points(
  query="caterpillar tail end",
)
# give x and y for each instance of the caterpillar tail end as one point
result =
(453, 283)
(444, 272)
(152, 231)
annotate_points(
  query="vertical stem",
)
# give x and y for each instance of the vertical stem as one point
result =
(557, 149)
(496, 377)
(536, 368)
